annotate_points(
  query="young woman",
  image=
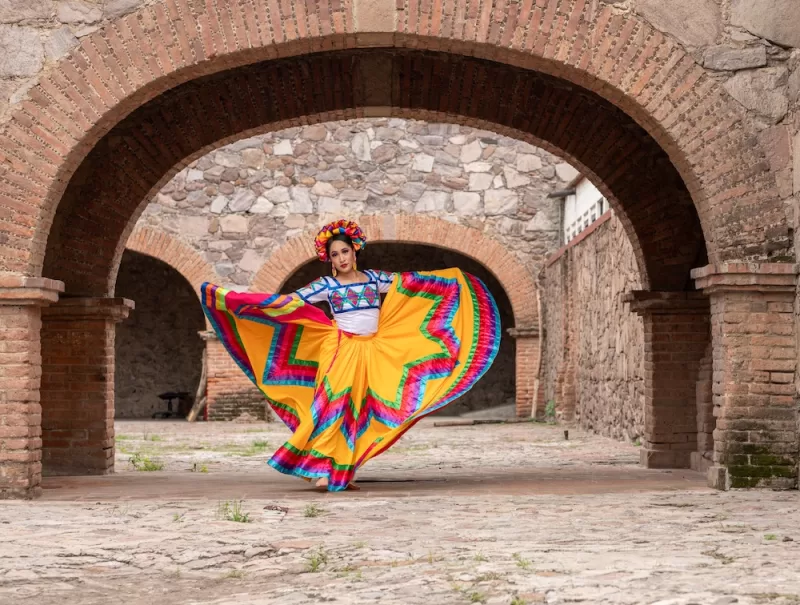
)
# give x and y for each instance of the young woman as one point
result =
(348, 388)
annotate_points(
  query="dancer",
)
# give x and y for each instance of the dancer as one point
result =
(348, 388)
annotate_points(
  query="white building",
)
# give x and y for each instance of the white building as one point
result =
(582, 208)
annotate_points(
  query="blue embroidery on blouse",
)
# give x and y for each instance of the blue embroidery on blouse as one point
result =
(348, 297)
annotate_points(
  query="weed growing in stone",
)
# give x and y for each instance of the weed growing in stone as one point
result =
(234, 574)
(313, 510)
(121, 437)
(521, 562)
(144, 463)
(232, 511)
(317, 560)
(518, 601)
(476, 597)
(360, 545)
(770, 537)
(178, 517)
(550, 411)
(715, 554)
(480, 557)
(256, 448)
(202, 468)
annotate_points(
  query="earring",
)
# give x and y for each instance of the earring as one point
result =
(333, 270)
(355, 265)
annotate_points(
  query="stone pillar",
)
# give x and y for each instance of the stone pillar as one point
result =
(21, 299)
(676, 334)
(78, 385)
(229, 392)
(755, 363)
(527, 368)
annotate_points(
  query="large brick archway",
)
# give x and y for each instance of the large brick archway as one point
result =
(513, 276)
(139, 98)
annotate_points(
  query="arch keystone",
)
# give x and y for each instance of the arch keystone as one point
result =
(371, 16)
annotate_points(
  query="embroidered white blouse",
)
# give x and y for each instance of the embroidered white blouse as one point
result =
(356, 307)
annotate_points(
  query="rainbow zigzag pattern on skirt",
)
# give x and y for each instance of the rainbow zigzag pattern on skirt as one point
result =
(348, 398)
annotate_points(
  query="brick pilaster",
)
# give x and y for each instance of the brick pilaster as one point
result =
(21, 299)
(755, 363)
(78, 385)
(676, 335)
(527, 368)
(229, 391)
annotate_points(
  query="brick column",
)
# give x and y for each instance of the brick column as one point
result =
(527, 368)
(755, 363)
(21, 299)
(676, 335)
(78, 385)
(229, 391)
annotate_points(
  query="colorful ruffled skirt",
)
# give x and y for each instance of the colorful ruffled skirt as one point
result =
(348, 398)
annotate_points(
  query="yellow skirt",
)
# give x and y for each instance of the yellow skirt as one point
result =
(348, 398)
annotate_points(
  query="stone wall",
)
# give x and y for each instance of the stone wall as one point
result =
(158, 348)
(239, 203)
(498, 385)
(608, 339)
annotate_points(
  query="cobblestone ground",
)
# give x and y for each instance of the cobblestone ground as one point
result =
(499, 514)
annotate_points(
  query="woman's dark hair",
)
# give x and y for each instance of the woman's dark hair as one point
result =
(340, 237)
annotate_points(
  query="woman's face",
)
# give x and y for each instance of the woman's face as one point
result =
(342, 257)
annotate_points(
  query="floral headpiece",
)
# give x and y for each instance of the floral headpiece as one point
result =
(340, 227)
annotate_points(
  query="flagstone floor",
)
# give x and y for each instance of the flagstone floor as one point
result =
(496, 514)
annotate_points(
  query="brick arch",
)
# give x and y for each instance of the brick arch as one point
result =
(173, 252)
(617, 58)
(517, 281)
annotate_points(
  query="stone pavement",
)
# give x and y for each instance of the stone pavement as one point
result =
(496, 514)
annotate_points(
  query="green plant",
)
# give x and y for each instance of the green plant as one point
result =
(480, 557)
(257, 447)
(232, 511)
(144, 463)
(550, 410)
(638, 442)
(317, 560)
(199, 469)
(235, 574)
(178, 517)
(518, 601)
(476, 597)
(521, 562)
(770, 537)
(313, 510)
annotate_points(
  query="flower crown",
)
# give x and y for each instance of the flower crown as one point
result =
(340, 227)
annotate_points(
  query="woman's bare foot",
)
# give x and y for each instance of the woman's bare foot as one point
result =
(353, 487)
(322, 484)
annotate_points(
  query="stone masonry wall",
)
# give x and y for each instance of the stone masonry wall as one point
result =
(609, 364)
(239, 203)
(752, 47)
(158, 348)
(498, 385)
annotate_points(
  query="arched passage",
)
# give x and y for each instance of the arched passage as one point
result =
(619, 100)
(511, 276)
(158, 348)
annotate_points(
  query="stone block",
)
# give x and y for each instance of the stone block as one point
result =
(776, 20)
(60, 42)
(423, 162)
(300, 202)
(16, 11)
(433, 201)
(692, 22)
(262, 206)
(500, 201)
(253, 158)
(471, 152)
(764, 91)
(361, 147)
(79, 11)
(233, 223)
(566, 172)
(314, 133)
(242, 201)
(727, 58)
(480, 181)
(114, 9)
(21, 51)
(467, 204)
(283, 148)
(527, 162)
